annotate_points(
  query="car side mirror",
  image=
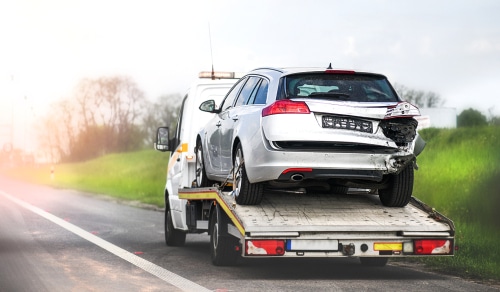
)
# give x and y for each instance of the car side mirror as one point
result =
(208, 106)
(162, 139)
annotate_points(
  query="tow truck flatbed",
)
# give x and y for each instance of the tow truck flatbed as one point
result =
(356, 224)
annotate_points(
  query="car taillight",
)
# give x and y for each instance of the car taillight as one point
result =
(265, 247)
(432, 246)
(286, 106)
(333, 71)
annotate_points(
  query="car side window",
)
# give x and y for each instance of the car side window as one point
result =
(260, 94)
(229, 99)
(247, 91)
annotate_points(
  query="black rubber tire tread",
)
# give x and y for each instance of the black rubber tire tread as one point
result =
(373, 262)
(249, 194)
(173, 237)
(400, 189)
(205, 182)
(222, 245)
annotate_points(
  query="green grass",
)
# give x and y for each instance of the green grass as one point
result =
(137, 176)
(459, 175)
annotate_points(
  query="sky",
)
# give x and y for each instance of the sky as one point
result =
(449, 47)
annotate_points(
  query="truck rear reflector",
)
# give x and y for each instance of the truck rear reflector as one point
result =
(393, 246)
(265, 247)
(432, 246)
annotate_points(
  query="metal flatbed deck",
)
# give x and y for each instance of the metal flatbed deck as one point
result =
(320, 213)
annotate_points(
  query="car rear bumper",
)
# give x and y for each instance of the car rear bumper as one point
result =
(283, 165)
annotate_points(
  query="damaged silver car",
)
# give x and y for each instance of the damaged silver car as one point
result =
(310, 129)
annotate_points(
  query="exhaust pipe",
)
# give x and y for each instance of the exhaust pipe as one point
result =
(297, 177)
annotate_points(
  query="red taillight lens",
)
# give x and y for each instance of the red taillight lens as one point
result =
(432, 246)
(333, 71)
(286, 106)
(265, 247)
(297, 170)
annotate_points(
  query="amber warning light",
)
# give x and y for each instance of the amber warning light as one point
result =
(217, 75)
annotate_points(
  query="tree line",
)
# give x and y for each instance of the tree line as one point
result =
(104, 115)
(111, 114)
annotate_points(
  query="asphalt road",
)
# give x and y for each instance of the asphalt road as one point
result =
(63, 240)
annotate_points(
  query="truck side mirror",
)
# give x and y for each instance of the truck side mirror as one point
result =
(162, 139)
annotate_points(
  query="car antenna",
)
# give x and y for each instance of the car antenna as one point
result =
(329, 66)
(211, 53)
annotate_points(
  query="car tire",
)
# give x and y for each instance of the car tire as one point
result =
(399, 190)
(223, 246)
(246, 193)
(173, 237)
(373, 262)
(201, 179)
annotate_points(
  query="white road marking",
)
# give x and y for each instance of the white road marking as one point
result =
(163, 274)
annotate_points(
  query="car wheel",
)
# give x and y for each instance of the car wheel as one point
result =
(201, 175)
(373, 262)
(173, 237)
(399, 190)
(246, 193)
(223, 246)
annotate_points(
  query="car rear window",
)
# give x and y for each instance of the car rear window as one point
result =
(345, 87)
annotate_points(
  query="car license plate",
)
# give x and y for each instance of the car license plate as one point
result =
(346, 123)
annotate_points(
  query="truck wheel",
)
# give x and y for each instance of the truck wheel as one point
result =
(201, 175)
(173, 237)
(400, 189)
(373, 262)
(246, 193)
(223, 246)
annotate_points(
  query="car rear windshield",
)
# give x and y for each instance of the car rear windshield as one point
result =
(345, 87)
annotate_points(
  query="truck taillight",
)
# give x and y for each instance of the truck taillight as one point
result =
(286, 106)
(265, 247)
(432, 246)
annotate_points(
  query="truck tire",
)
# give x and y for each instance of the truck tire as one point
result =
(246, 193)
(173, 237)
(201, 175)
(373, 262)
(400, 188)
(223, 246)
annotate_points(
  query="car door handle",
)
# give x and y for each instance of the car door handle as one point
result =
(235, 118)
(218, 124)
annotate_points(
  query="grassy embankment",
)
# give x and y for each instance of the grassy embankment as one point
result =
(137, 176)
(459, 175)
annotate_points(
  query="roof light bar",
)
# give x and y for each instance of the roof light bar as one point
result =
(217, 75)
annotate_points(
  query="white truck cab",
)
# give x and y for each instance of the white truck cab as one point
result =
(181, 166)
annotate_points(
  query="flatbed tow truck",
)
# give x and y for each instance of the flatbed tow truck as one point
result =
(317, 225)
(286, 224)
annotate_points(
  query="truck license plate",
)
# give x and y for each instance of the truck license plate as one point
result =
(312, 245)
